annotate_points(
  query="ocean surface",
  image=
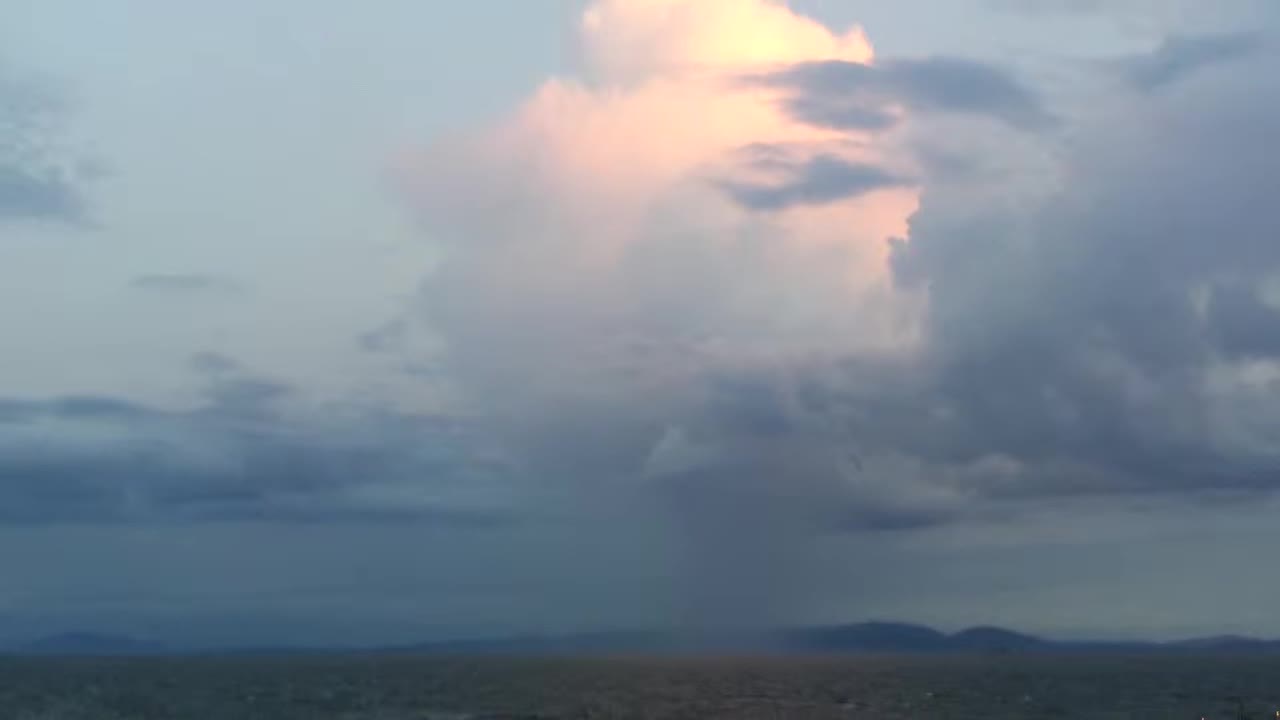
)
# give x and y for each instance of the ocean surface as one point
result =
(404, 688)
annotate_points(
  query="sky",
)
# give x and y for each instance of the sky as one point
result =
(339, 324)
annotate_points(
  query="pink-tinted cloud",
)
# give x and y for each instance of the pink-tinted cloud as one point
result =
(605, 189)
(630, 235)
(639, 39)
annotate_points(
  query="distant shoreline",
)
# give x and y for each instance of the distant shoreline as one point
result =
(857, 639)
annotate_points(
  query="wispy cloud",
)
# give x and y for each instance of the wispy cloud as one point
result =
(1180, 56)
(238, 456)
(820, 180)
(40, 177)
(857, 96)
(186, 282)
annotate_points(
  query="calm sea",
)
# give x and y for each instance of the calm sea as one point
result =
(403, 688)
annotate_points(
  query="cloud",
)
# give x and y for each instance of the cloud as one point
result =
(1122, 8)
(820, 180)
(1241, 322)
(1154, 14)
(27, 194)
(214, 364)
(1106, 336)
(238, 456)
(1181, 55)
(1050, 6)
(184, 283)
(668, 227)
(41, 177)
(1071, 332)
(630, 236)
(846, 95)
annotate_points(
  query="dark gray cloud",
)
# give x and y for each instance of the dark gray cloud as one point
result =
(238, 456)
(819, 180)
(845, 112)
(852, 96)
(1182, 55)
(956, 85)
(185, 282)
(1108, 339)
(40, 178)
(1241, 323)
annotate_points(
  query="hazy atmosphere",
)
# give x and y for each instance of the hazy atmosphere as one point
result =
(340, 323)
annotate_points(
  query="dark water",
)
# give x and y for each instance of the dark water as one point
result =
(400, 688)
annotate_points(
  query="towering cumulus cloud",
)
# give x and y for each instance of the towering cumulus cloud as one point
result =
(676, 279)
(662, 200)
(639, 259)
(759, 287)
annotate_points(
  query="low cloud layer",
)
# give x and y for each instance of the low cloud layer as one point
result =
(241, 455)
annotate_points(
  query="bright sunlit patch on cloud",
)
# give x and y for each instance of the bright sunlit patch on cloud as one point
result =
(608, 181)
(637, 39)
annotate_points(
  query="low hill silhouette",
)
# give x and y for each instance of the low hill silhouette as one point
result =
(879, 638)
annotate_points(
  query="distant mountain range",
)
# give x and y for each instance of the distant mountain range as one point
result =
(857, 638)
